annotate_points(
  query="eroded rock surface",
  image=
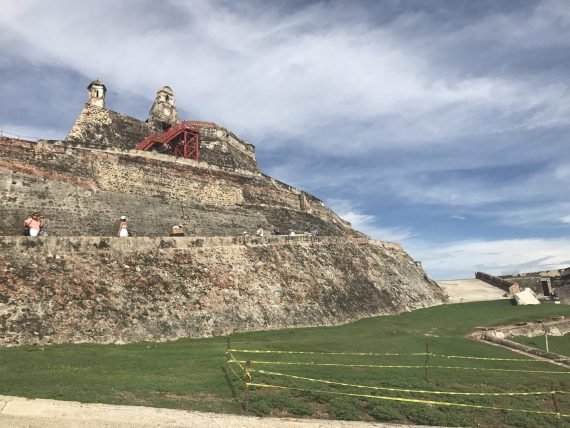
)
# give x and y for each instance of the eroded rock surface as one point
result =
(113, 290)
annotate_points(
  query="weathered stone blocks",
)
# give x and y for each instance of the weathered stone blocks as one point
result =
(113, 290)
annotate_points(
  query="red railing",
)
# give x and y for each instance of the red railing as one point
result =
(182, 140)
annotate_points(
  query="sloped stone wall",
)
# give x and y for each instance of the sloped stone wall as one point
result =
(113, 290)
(103, 128)
(83, 192)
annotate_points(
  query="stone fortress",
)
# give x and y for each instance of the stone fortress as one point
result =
(81, 284)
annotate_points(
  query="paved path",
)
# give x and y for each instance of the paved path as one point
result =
(18, 412)
(470, 290)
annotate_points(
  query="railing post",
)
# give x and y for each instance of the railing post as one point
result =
(228, 352)
(555, 403)
(426, 363)
(246, 380)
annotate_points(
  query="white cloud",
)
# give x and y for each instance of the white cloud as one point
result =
(341, 84)
(262, 72)
(368, 223)
(30, 133)
(458, 217)
(539, 214)
(461, 259)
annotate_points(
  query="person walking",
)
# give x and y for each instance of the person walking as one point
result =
(123, 231)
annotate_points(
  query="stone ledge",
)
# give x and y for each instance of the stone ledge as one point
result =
(75, 244)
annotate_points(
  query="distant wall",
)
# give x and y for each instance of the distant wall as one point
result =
(116, 290)
(559, 281)
(501, 283)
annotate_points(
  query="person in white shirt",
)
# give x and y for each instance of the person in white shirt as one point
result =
(123, 231)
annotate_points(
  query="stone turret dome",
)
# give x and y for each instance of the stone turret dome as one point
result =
(97, 91)
(96, 82)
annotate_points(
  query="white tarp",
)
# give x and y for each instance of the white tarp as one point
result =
(526, 297)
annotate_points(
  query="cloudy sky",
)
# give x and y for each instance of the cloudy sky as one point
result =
(442, 125)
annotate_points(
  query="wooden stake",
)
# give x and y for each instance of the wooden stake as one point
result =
(426, 365)
(228, 352)
(556, 406)
(246, 380)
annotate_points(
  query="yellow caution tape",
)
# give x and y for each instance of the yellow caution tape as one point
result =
(234, 372)
(233, 360)
(387, 354)
(255, 351)
(413, 400)
(419, 391)
(299, 363)
(465, 357)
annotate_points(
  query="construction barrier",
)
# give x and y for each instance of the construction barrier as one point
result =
(246, 371)
(392, 366)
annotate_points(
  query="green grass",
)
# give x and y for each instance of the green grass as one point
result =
(189, 374)
(557, 344)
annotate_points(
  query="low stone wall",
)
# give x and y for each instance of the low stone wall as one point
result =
(560, 359)
(553, 327)
(494, 280)
(85, 244)
(117, 290)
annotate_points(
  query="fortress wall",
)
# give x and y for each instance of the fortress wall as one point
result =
(220, 147)
(104, 128)
(98, 127)
(209, 131)
(86, 289)
(83, 191)
(221, 153)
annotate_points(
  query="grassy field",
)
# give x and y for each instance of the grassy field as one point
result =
(190, 374)
(556, 344)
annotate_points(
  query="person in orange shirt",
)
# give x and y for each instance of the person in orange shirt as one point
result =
(33, 224)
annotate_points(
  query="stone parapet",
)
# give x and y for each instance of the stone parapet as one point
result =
(89, 244)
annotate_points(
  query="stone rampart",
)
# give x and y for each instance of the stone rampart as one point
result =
(117, 290)
(101, 128)
(495, 280)
(83, 191)
(104, 128)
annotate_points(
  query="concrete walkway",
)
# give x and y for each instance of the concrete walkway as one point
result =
(18, 412)
(470, 290)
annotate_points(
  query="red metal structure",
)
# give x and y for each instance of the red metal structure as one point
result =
(182, 140)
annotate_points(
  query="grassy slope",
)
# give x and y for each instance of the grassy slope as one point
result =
(189, 373)
(557, 344)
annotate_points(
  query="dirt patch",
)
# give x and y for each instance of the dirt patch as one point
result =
(20, 412)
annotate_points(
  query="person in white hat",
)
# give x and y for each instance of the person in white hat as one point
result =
(123, 231)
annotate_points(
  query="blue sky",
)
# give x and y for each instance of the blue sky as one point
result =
(442, 125)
